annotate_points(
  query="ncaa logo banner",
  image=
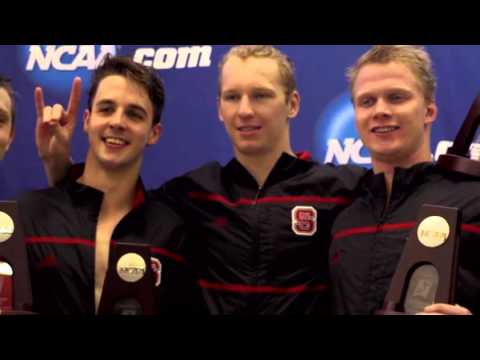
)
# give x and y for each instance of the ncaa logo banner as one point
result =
(55, 66)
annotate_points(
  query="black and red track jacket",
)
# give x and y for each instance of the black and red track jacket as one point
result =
(60, 227)
(262, 250)
(369, 239)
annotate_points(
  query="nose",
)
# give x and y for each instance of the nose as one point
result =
(117, 120)
(382, 110)
(245, 107)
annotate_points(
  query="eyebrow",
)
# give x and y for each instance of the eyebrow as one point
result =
(370, 92)
(254, 88)
(130, 106)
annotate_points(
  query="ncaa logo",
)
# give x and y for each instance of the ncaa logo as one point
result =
(131, 267)
(336, 137)
(304, 220)
(54, 66)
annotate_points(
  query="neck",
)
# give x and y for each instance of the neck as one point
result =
(387, 165)
(118, 185)
(261, 165)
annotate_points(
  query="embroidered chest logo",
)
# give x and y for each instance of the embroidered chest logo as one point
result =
(304, 220)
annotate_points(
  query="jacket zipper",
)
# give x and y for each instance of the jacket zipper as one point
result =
(260, 188)
(256, 254)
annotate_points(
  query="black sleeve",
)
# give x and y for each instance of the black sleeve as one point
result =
(179, 292)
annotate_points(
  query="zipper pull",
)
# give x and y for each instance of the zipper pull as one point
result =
(256, 196)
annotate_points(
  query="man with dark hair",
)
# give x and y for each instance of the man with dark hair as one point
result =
(71, 228)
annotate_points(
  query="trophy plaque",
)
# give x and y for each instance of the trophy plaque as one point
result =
(426, 272)
(15, 288)
(457, 158)
(129, 286)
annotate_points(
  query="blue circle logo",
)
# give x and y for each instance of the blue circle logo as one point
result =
(54, 66)
(336, 137)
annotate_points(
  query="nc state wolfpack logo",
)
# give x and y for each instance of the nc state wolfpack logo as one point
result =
(304, 220)
(157, 270)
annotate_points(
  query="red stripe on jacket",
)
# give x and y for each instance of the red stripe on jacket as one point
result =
(392, 227)
(90, 243)
(265, 289)
(311, 199)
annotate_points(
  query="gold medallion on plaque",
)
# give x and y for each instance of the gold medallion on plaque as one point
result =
(5, 269)
(433, 231)
(7, 226)
(131, 267)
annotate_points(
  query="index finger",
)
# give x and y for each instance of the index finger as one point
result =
(39, 102)
(75, 95)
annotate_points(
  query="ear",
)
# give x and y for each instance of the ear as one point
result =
(86, 120)
(293, 104)
(10, 140)
(219, 110)
(155, 133)
(431, 113)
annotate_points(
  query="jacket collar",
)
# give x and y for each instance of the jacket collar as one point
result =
(404, 179)
(84, 194)
(286, 166)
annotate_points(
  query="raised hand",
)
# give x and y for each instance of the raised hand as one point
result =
(54, 131)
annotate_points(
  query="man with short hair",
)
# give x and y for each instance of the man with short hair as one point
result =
(393, 93)
(7, 116)
(70, 229)
(260, 225)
